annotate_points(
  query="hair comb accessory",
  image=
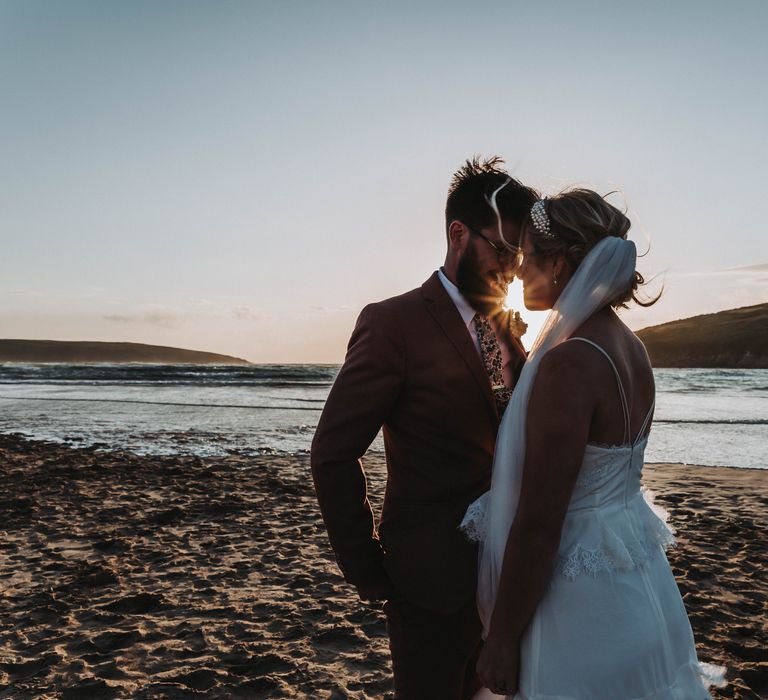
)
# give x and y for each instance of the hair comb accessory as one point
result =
(540, 219)
(492, 203)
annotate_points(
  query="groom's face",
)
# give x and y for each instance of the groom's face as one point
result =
(486, 268)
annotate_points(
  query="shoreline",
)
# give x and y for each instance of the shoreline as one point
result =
(133, 576)
(293, 455)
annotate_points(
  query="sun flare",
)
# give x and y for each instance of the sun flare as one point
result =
(534, 319)
(514, 298)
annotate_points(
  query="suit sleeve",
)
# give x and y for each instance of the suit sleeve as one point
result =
(366, 388)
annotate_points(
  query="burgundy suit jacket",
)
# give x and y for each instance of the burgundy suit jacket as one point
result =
(411, 367)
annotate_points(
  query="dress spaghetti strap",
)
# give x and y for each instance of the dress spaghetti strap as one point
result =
(646, 423)
(622, 393)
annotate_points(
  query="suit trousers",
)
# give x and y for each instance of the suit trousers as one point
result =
(433, 654)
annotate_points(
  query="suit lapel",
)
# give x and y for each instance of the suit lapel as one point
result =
(447, 316)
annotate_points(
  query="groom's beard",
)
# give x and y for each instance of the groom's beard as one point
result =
(485, 293)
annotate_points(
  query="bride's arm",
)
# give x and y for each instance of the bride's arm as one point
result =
(560, 411)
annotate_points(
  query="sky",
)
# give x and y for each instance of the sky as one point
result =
(243, 177)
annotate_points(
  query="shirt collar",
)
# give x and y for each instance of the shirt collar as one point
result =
(463, 306)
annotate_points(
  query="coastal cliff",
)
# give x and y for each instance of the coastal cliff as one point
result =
(737, 338)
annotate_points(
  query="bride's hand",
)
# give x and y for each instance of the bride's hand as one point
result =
(499, 665)
(509, 328)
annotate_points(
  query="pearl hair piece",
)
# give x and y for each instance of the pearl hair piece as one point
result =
(540, 219)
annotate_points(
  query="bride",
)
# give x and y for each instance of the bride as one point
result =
(575, 592)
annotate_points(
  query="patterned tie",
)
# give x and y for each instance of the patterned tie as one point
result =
(490, 351)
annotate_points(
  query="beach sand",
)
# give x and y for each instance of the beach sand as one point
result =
(179, 577)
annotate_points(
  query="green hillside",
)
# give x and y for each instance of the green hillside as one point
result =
(90, 352)
(735, 338)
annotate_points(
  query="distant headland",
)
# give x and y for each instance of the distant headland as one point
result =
(75, 352)
(737, 338)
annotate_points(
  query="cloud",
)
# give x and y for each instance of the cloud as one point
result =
(752, 271)
(763, 267)
(170, 317)
(164, 319)
(330, 309)
(32, 294)
(249, 313)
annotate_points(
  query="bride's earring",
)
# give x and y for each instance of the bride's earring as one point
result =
(555, 274)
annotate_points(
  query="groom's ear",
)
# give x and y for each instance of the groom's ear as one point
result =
(457, 235)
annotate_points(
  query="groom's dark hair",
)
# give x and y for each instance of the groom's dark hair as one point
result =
(471, 189)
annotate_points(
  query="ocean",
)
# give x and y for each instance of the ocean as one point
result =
(715, 417)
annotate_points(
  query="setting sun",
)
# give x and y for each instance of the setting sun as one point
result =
(534, 319)
(515, 296)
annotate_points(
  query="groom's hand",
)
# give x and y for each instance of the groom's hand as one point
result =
(379, 589)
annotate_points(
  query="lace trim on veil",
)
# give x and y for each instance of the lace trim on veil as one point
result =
(474, 523)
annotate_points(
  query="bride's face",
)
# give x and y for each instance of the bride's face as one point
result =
(537, 273)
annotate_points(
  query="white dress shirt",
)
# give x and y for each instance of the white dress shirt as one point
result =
(465, 310)
(467, 314)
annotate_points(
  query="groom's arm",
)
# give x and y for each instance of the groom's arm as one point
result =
(362, 396)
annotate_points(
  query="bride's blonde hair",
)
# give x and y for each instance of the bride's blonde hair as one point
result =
(578, 220)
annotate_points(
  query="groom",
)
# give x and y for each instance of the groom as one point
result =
(418, 365)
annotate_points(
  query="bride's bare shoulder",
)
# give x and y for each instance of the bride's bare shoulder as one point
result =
(582, 358)
(571, 360)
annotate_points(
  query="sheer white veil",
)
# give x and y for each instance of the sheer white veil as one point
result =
(606, 271)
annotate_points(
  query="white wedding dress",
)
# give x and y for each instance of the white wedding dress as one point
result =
(612, 624)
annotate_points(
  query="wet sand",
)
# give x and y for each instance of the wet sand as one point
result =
(177, 577)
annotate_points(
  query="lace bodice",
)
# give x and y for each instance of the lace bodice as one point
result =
(612, 522)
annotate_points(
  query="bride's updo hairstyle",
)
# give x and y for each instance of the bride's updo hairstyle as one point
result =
(571, 224)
